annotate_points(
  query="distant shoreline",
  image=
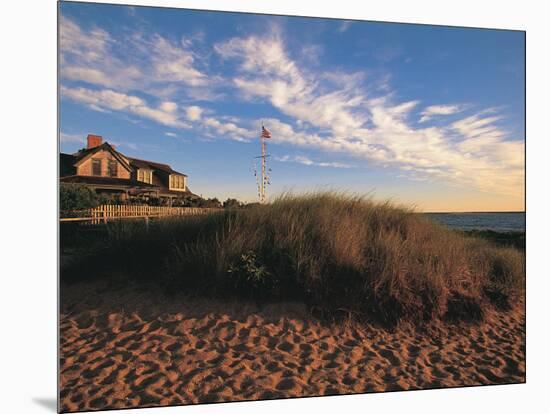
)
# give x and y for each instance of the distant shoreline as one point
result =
(470, 212)
(501, 222)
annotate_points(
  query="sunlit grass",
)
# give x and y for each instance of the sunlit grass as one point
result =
(336, 252)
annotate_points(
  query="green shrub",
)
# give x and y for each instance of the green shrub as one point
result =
(76, 197)
(232, 203)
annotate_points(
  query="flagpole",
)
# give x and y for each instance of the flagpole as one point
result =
(262, 194)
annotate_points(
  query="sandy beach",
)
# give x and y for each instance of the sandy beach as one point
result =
(132, 347)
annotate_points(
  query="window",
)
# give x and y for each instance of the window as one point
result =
(96, 166)
(177, 182)
(145, 175)
(112, 168)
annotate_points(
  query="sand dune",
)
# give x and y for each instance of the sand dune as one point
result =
(123, 348)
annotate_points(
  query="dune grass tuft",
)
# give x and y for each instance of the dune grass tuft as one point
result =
(337, 252)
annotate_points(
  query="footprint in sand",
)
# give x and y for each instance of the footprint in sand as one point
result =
(286, 384)
(286, 347)
(347, 380)
(390, 356)
(273, 366)
(306, 348)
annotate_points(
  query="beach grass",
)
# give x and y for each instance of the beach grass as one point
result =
(340, 254)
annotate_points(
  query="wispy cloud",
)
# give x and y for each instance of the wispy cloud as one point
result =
(479, 126)
(175, 63)
(166, 113)
(79, 138)
(376, 128)
(307, 161)
(344, 26)
(274, 76)
(137, 61)
(436, 110)
(231, 129)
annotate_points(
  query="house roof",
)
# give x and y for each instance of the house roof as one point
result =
(137, 163)
(84, 154)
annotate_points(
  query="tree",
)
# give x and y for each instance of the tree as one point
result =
(76, 197)
(232, 203)
(210, 203)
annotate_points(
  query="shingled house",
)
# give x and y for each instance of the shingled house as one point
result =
(108, 171)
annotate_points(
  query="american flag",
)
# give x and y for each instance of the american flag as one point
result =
(265, 133)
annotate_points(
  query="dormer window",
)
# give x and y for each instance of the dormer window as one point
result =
(177, 182)
(145, 176)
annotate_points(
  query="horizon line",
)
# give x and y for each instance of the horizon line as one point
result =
(470, 212)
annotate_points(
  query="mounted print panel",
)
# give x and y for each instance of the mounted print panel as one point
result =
(259, 207)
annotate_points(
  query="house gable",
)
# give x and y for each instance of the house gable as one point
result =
(102, 161)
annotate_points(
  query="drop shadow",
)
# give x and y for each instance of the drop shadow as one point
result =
(48, 403)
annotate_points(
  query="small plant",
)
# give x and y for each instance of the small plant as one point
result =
(250, 276)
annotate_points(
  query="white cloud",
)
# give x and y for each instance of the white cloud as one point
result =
(217, 127)
(307, 161)
(135, 61)
(272, 75)
(64, 137)
(435, 110)
(312, 53)
(90, 45)
(476, 126)
(86, 55)
(170, 134)
(344, 26)
(166, 113)
(175, 63)
(107, 99)
(346, 117)
(168, 106)
(193, 113)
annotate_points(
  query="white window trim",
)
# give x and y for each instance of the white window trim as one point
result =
(144, 175)
(177, 182)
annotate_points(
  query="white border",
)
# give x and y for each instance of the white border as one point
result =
(28, 104)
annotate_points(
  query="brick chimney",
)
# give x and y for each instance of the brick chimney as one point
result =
(94, 141)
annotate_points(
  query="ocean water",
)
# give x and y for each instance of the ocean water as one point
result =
(502, 222)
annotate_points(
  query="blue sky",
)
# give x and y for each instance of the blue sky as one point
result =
(427, 116)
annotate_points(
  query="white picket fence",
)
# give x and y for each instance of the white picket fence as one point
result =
(108, 212)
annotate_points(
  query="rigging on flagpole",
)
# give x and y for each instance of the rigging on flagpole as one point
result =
(263, 180)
